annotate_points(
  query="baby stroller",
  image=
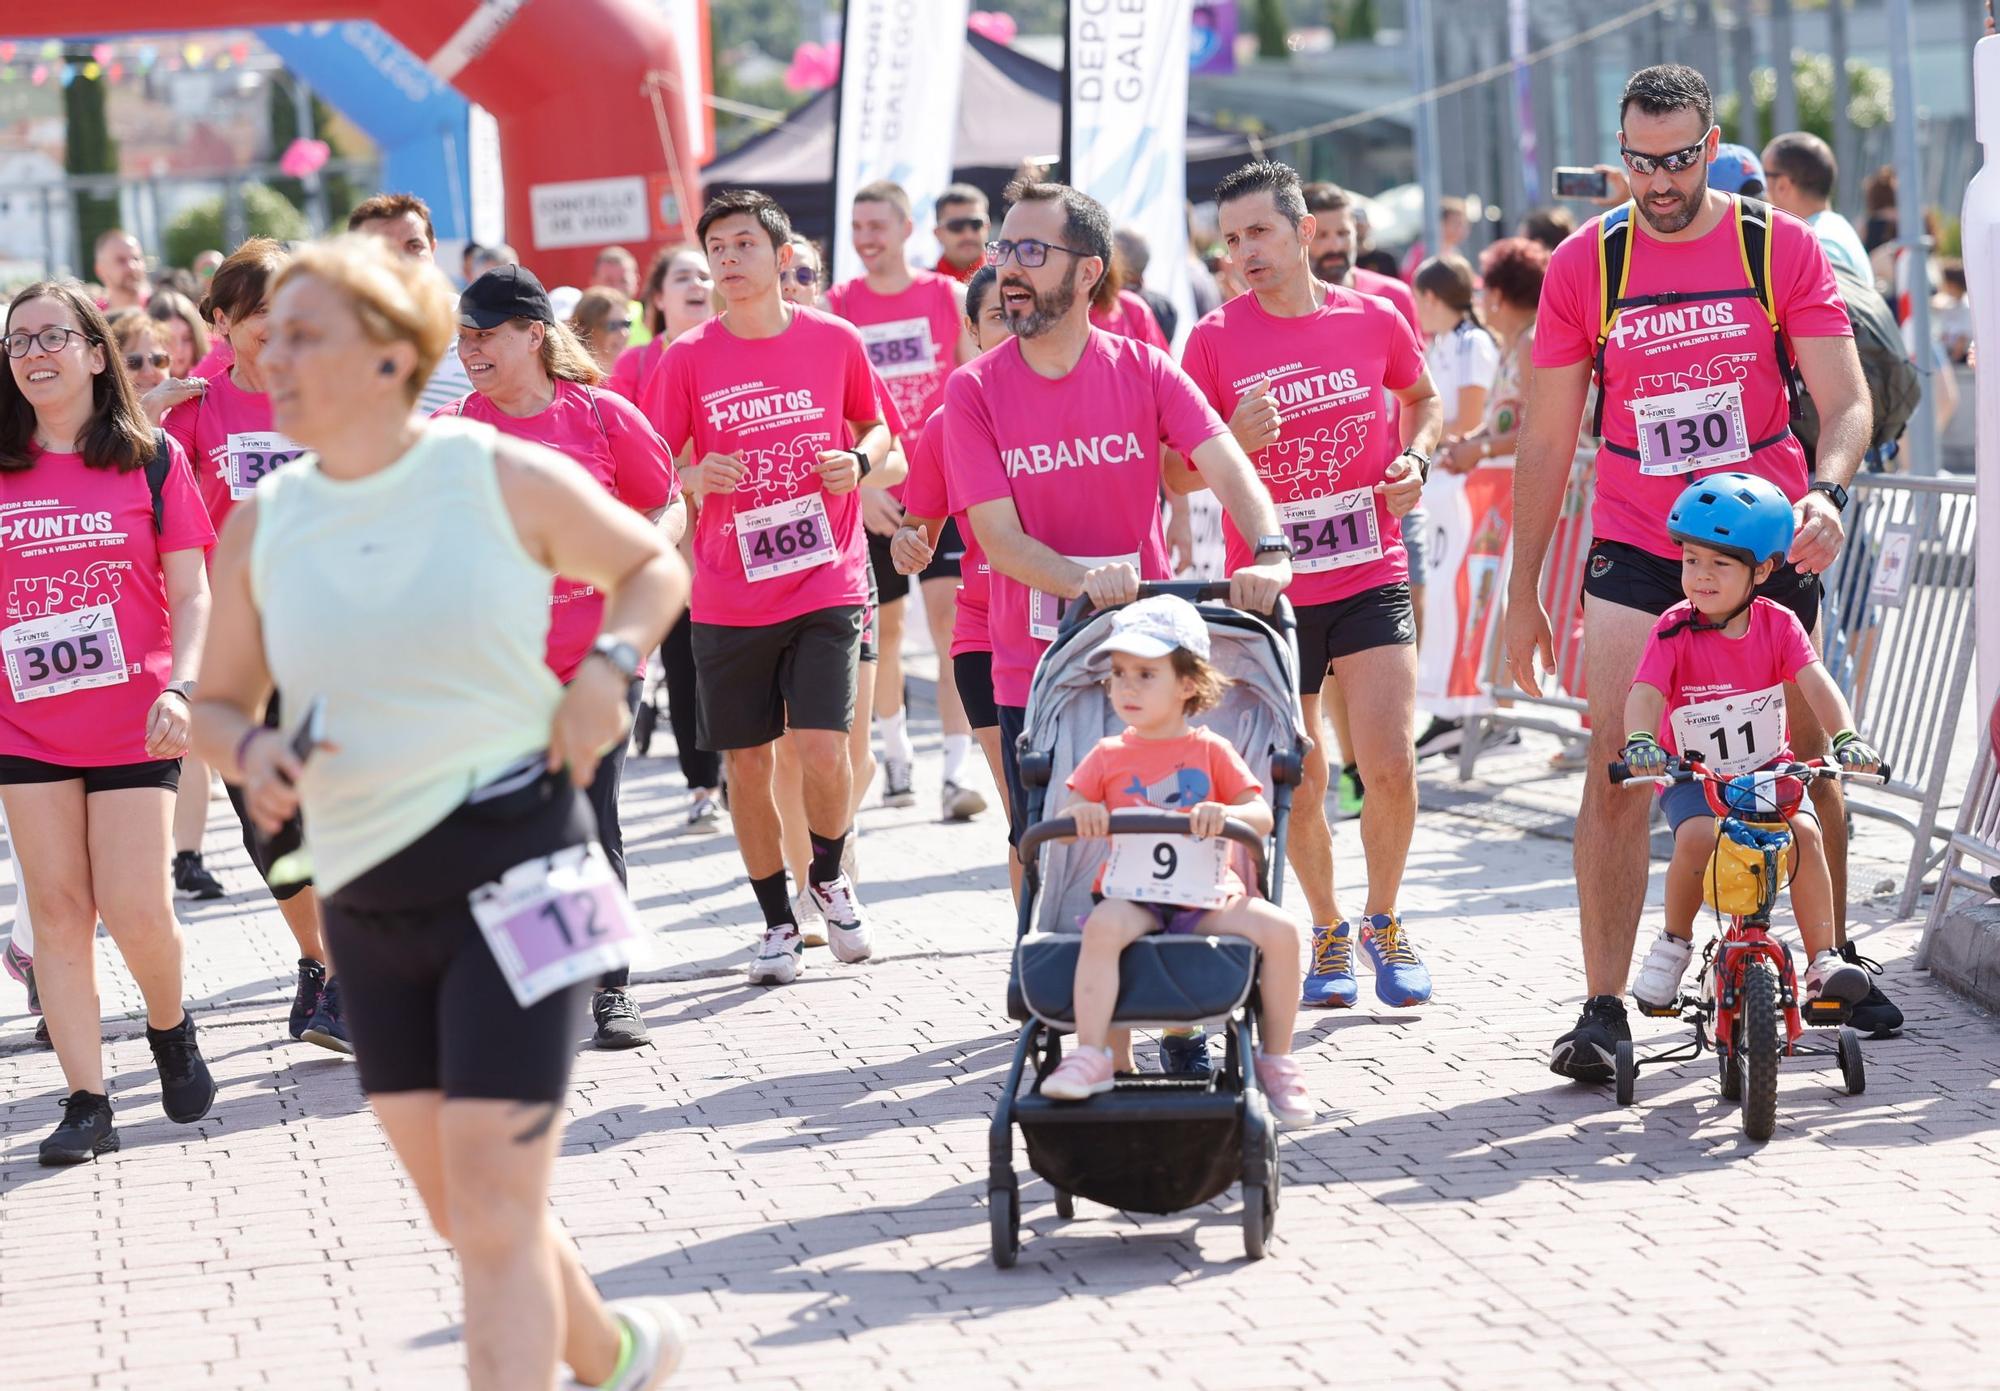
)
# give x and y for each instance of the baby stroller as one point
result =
(1155, 1143)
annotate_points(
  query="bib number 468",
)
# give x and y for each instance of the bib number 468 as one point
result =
(782, 542)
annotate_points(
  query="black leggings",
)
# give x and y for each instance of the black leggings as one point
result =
(603, 795)
(425, 1002)
(698, 765)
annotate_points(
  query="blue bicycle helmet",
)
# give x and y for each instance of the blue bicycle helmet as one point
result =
(1736, 513)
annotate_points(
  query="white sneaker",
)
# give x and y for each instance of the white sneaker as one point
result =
(961, 803)
(846, 928)
(659, 1342)
(1832, 976)
(1658, 988)
(779, 958)
(897, 790)
(805, 912)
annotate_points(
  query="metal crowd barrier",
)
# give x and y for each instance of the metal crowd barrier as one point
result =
(1896, 632)
(1977, 835)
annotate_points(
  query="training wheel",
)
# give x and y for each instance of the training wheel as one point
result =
(1852, 1070)
(1003, 1207)
(1627, 1067)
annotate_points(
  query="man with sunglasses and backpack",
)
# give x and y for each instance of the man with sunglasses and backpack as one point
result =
(1701, 316)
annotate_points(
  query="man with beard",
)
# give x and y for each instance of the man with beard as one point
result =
(1054, 441)
(1692, 367)
(121, 269)
(1306, 372)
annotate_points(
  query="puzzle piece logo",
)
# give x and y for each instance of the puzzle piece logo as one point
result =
(1720, 370)
(39, 596)
(781, 471)
(1298, 465)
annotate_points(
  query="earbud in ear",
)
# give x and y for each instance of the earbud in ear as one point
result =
(388, 368)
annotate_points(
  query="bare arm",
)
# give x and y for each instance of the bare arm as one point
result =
(1644, 707)
(1824, 698)
(1545, 446)
(1014, 553)
(1832, 371)
(167, 723)
(235, 679)
(1422, 422)
(1222, 465)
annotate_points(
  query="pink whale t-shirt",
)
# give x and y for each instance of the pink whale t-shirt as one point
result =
(1327, 372)
(1703, 373)
(86, 637)
(1079, 457)
(606, 435)
(780, 545)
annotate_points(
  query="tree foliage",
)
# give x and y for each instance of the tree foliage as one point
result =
(1273, 29)
(1868, 103)
(89, 149)
(199, 227)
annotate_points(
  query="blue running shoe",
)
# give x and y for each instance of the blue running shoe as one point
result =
(1331, 984)
(1400, 978)
(1186, 1054)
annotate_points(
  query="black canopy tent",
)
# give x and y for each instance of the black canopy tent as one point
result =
(1010, 110)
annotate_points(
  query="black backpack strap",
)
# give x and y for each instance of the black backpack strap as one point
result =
(157, 469)
(1614, 269)
(1753, 227)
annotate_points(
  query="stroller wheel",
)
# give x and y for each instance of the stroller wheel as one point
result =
(1003, 1207)
(1065, 1204)
(1256, 1220)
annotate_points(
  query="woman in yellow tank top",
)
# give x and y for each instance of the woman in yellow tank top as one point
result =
(395, 585)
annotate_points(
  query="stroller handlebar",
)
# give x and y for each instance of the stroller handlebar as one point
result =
(1195, 592)
(1135, 822)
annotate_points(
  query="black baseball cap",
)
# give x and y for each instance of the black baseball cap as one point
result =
(503, 293)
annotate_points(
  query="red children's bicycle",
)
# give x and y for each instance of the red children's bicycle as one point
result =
(1748, 990)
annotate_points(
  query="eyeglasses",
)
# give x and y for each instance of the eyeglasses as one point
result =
(1029, 252)
(1676, 162)
(51, 339)
(805, 275)
(964, 224)
(135, 361)
(618, 325)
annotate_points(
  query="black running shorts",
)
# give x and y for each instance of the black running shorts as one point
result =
(888, 583)
(972, 673)
(1379, 617)
(1635, 578)
(945, 557)
(751, 684)
(161, 773)
(426, 1005)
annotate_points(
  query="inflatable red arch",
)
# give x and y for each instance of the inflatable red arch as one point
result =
(570, 83)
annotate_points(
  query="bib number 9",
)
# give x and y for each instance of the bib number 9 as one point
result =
(1176, 870)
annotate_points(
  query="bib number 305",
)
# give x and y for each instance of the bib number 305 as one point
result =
(74, 651)
(556, 920)
(1176, 870)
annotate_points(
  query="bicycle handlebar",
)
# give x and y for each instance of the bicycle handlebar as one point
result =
(1680, 771)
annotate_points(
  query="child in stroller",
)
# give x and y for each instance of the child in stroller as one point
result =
(1160, 674)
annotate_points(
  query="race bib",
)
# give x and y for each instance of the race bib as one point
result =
(1045, 610)
(784, 537)
(251, 454)
(1736, 734)
(1171, 869)
(1332, 532)
(900, 349)
(556, 920)
(64, 652)
(1688, 430)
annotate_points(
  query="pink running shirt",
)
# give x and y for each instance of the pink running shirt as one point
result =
(227, 436)
(1727, 693)
(911, 337)
(779, 403)
(1131, 317)
(1699, 347)
(927, 493)
(1388, 287)
(633, 372)
(1327, 372)
(87, 602)
(1080, 459)
(615, 446)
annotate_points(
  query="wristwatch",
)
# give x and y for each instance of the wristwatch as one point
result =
(1273, 542)
(1423, 463)
(861, 458)
(621, 654)
(183, 689)
(1835, 494)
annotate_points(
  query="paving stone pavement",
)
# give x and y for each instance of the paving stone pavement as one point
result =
(803, 1170)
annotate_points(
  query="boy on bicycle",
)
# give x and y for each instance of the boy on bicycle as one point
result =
(1712, 684)
(1160, 674)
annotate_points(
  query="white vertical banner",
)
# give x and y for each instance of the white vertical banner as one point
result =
(900, 66)
(1128, 88)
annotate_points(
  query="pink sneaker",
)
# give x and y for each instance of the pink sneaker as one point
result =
(1080, 1076)
(1285, 1090)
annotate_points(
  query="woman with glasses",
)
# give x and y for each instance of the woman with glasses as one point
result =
(678, 295)
(444, 810)
(225, 427)
(532, 380)
(144, 345)
(602, 323)
(101, 647)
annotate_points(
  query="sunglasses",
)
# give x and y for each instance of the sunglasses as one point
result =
(618, 325)
(805, 275)
(964, 224)
(135, 361)
(1029, 252)
(1676, 162)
